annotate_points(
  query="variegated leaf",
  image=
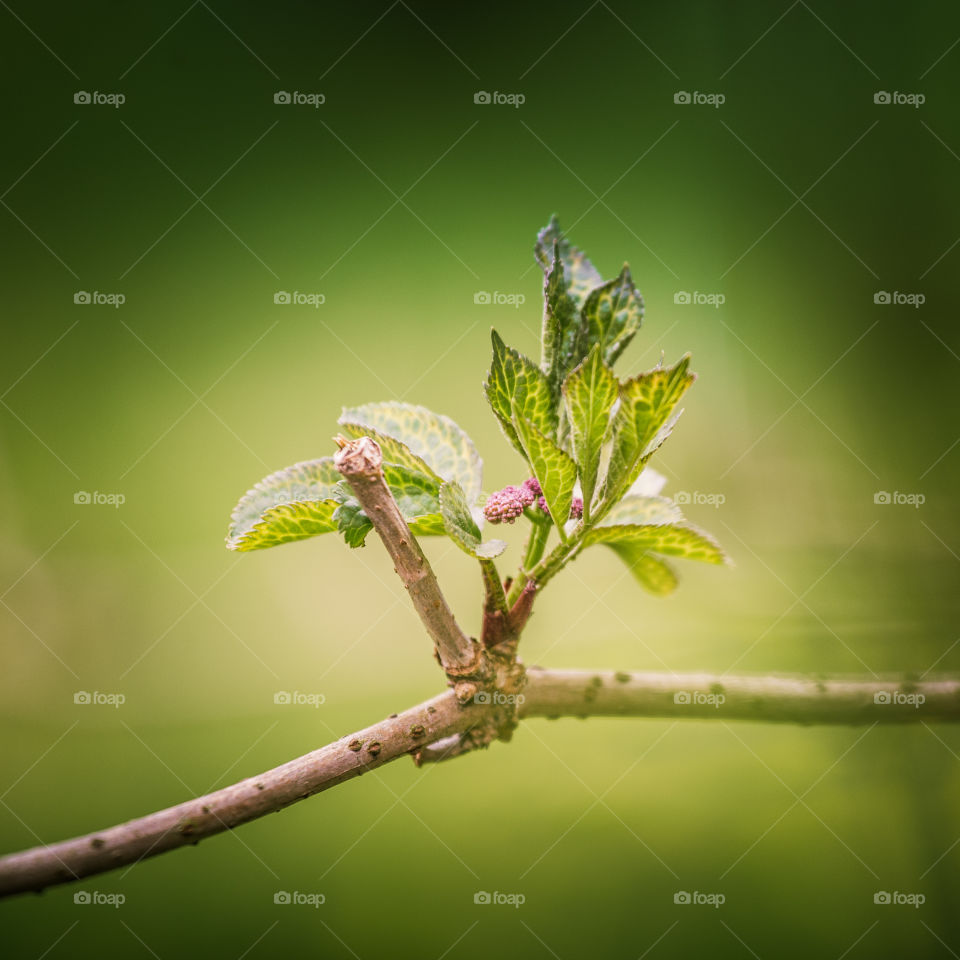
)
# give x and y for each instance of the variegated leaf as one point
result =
(555, 471)
(580, 275)
(437, 440)
(513, 379)
(590, 392)
(612, 315)
(670, 539)
(291, 504)
(652, 574)
(641, 422)
(561, 337)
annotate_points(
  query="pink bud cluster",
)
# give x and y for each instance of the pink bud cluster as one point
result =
(507, 504)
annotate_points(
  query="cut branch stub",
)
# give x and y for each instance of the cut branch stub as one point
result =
(360, 461)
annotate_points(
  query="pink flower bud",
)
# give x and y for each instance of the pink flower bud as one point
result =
(505, 505)
(531, 489)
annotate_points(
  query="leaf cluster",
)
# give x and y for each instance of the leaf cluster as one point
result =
(580, 429)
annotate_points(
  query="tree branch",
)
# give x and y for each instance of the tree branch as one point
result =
(190, 822)
(360, 463)
(702, 696)
(548, 693)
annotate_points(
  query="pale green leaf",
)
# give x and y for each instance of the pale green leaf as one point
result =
(612, 315)
(513, 379)
(670, 539)
(460, 526)
(642, 422)
(437, 440)
(654, 575)
(590, 392)
(291, 504)
(287, 522)
(554, 469)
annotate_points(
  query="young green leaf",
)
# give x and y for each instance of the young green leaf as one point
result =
(417, 494)
(670, 539)
(437, 440)
(580, 275)
(513, 379)
(460, 526)
(641, 423)
(352, 523)
(288, 505)
(652, 574)
(612, 315)
(555, 471)
(561, 338)
(285, 523)
(590, 392)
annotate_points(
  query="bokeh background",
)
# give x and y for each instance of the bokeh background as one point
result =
(798, 201)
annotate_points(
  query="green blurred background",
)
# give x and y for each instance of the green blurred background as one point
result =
(399, 199)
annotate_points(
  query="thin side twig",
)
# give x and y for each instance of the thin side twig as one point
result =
(360, 461)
